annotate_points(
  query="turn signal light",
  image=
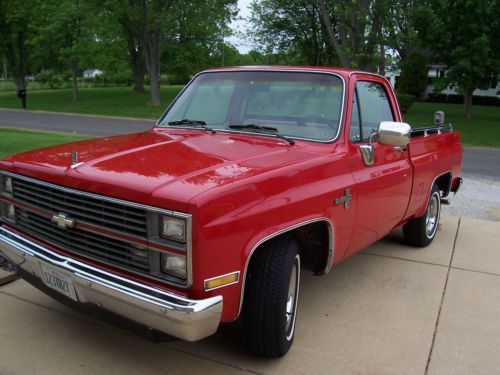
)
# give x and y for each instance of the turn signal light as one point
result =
(217, 282)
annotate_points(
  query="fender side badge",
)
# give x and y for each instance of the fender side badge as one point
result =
(346, 199)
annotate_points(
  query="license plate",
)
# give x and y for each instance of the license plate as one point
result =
(58, 281)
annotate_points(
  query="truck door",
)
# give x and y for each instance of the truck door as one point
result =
(382, 189)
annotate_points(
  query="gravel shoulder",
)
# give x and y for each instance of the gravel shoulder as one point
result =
(478, 198)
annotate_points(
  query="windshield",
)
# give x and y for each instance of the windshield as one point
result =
(294, 104)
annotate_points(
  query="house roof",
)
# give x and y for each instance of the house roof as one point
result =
(90, 71)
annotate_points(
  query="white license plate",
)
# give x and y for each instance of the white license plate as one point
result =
(58, 281)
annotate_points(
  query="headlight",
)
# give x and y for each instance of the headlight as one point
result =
(8, 211)
(6, 185)
(173, 228)
(173, 264)
(11, 212)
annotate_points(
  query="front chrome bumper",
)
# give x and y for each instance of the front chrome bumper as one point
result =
(175, 315)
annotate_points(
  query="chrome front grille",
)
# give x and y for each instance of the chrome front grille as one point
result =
(92, 245)
(114, 231)
(82, 208)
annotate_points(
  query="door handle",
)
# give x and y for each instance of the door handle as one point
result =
(399, 148)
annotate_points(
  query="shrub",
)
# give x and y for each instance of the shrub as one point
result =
(459, 99)
(48, 78)
(413, 78)
(405, 101)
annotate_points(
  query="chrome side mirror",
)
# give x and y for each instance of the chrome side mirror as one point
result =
(394, 133)
(439, 118)
(389, 133)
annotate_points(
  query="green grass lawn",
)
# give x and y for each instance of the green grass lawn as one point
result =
(109, 101)
(13, 141)
(482, 129)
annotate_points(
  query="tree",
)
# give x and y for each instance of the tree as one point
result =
(463, 34)
(157, 21)
(343, 33)
(413, 77)
(15, 34)
(118, 23)
(292, 28)
(401, 36)
(70, 29)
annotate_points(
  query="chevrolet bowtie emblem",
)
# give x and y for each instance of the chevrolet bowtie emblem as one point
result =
(63, 221)
(344, 199)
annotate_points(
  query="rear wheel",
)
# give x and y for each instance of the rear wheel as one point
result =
(271, 294)
(421, 231)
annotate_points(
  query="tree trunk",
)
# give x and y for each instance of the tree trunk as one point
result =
(19, 63)
(138, 81)
(151, 42)
(381, 61)
(344, 62)
(136, 64)
(20, 81)
(154, 81)
(74, 77)
(468, 104)
(21, 76)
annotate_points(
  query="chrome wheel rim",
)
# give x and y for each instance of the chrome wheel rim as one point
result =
(432, 216)
(292, 296)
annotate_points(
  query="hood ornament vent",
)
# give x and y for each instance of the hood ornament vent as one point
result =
(74, 160)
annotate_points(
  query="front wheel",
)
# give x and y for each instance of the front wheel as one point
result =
(421, 231)
(271, 295)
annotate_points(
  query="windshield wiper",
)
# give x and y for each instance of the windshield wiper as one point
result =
(194, 123)
(262, 129)
(253, 127)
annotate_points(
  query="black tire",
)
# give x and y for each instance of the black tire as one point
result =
(268, 316)
(421, 231)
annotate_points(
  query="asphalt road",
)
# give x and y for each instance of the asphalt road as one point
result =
(69, 123)
(478, 162)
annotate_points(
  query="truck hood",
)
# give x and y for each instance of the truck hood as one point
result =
(162, 167)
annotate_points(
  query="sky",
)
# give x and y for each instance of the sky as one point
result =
(241, 26)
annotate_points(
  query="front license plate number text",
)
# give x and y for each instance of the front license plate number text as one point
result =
(58, 281)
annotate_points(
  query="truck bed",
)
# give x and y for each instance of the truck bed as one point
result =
(435, 152)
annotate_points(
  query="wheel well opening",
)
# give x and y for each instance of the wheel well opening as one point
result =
(314, 245)
(444, 183)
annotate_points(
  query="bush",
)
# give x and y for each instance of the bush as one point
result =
(48, 78)
(111, 79)
(413, 77)
(405, 101)
(459, 99)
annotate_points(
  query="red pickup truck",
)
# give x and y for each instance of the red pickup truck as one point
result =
(252, 175)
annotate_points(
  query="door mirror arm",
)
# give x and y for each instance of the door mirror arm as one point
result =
(368, 150)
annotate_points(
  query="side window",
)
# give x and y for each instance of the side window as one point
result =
(355, 129)
(374, 107)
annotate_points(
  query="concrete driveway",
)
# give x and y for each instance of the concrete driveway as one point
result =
(391, 309)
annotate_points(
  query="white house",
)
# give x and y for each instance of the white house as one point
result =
(92, 73)
(438, 71)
